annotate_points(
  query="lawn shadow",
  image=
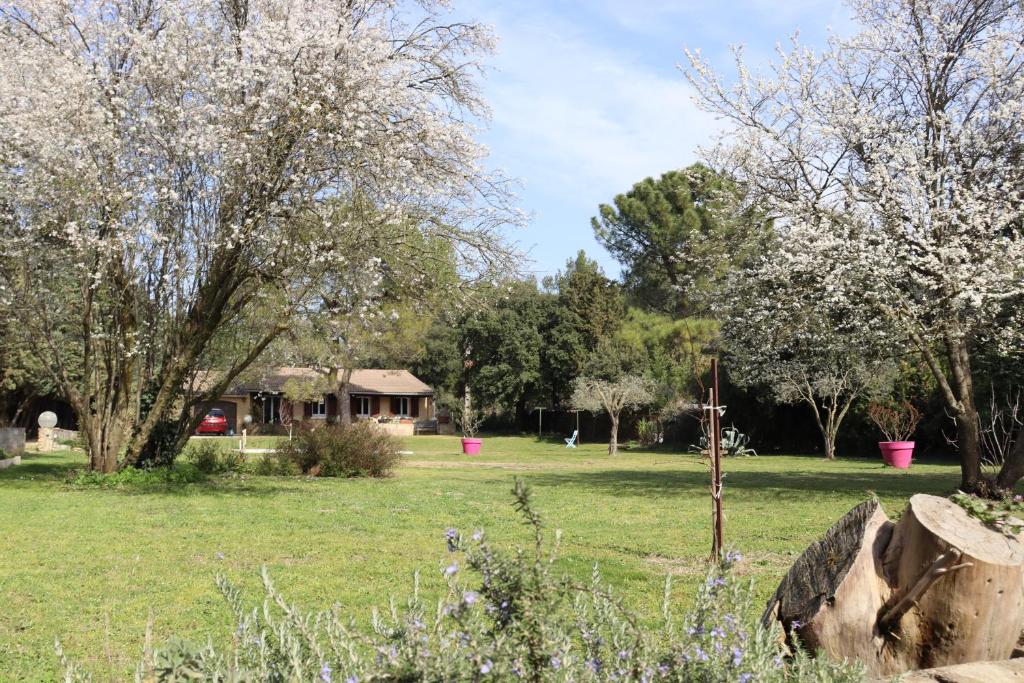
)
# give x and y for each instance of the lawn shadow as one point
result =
(794, 484)
(48, 469)
(39, 466)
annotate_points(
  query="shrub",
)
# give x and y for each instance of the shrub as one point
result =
(509, 617)
(649, 432)
(132, 477)
(209, 458)
(733, 443)
(357, 450)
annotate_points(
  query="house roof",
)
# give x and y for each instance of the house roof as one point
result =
(371, 382)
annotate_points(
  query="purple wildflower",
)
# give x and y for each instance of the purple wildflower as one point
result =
(451, 569)
(485, 668)
(470, 597)
(325, 672)
(737, 656)
(452, 537)
(556, 663)
(717, 632)
(746, 678)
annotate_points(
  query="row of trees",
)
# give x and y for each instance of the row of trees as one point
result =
(535, 343)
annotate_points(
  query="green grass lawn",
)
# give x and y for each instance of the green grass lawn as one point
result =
(90, 565)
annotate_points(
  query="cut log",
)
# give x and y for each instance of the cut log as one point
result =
(830, 598)
(936, 588)
(977, 672)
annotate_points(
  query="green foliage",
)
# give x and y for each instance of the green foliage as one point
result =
(133, 477)
(672, 350)
(677, 237)
(595, 301)
(209, 458)
(649, 432)
(1002, 515)
(504, 348)
(510, 616)
(733, 442)
(357, 450)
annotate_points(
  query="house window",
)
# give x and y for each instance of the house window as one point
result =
(271, 409)
(403, 406)
(363, 406)
(318, 409)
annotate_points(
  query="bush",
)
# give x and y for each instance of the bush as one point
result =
(132, 477)
(508, 618)
(357, 450)
(209, 458)
(648, 432)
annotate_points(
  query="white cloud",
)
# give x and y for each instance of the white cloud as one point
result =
(586, 116)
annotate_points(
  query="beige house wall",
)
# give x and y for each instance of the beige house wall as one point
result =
(244, 407)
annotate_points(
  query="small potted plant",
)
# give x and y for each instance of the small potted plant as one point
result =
(897, 422)
(468, 421)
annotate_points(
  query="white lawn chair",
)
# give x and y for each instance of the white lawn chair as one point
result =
(571, 441)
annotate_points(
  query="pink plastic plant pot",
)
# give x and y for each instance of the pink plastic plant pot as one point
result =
(471, 446)
(898, 454)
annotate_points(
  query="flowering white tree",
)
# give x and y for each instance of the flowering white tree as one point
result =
(168, 170)
(805, 340)
(893, 161)
(612, 396)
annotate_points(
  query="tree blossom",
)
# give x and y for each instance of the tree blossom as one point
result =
(170, 172)
(892, 162)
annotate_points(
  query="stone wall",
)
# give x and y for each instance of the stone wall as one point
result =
(12, 440)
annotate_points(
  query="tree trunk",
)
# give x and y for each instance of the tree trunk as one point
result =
(1013, 467)
(968, 436)
(934, 589)
(344, 396)
(613, 441)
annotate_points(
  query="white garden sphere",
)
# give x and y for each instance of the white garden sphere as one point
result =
(47, 419)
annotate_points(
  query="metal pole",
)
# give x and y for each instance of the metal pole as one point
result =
(716, 463)
(540, 423)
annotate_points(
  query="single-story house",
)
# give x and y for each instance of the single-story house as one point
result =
(395, 396)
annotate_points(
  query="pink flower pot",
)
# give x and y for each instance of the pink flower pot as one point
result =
(471, 446)
(897, 454)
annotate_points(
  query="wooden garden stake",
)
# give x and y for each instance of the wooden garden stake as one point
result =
(715, 446)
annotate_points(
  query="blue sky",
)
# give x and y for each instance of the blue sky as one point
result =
(587, 98)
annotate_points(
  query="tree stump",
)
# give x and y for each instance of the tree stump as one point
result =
(977, 672)
(936, 588)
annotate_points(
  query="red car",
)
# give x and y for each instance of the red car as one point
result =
(215, 422)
